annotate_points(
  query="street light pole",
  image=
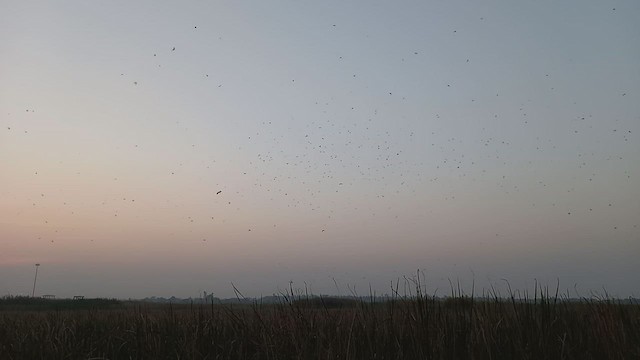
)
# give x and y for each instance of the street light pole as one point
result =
(33, 293)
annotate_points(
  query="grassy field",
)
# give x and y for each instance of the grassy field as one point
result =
(416, 327)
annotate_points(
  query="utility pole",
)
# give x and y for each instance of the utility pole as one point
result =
(33, 293)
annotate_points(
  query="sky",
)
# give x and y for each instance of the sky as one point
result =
(161, 148)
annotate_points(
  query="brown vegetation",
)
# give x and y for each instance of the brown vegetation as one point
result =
(420, 327)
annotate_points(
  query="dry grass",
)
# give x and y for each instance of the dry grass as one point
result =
(417, 327)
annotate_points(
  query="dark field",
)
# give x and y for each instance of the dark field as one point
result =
(419, 327)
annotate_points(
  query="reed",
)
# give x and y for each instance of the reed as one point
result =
(300, 326)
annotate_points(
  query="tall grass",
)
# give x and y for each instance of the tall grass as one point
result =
(415, 326)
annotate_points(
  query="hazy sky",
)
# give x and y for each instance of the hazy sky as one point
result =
(168, 148)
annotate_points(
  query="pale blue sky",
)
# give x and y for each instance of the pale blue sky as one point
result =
(351, 140)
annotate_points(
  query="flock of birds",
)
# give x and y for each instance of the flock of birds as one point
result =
(343, 154)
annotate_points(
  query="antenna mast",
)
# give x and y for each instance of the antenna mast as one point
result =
(33, 293)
